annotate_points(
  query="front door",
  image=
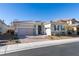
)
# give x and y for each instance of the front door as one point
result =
(39, 29)
(77, 31)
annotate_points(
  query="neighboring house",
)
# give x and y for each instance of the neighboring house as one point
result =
(3, 27)
(74, 25)
(55, 28)
(62, 27)
(28, 27)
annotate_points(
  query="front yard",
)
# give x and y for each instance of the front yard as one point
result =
(9, 39)
(44, 38)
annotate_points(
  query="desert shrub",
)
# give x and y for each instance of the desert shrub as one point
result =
(54, 37)
(9, 32)
(50, 37)
(17, 41)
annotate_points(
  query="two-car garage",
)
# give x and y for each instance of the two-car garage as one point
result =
(27, 28)
(24, 31)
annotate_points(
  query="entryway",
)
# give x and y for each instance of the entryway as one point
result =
(77, 31)
(39, 29)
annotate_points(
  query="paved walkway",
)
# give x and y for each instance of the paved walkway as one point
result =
(26, 46)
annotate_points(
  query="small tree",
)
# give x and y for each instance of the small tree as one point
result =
(69, 28)
(10, 32)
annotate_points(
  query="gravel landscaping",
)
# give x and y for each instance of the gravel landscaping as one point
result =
(29, 39)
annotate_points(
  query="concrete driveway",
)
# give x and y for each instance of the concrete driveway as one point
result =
(70, 49)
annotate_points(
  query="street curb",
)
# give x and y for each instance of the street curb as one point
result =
(33, 45)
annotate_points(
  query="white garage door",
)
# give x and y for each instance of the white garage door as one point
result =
(24, 31)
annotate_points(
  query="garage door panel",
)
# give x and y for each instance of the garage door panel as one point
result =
(25, 31)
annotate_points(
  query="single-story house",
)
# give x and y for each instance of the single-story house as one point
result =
(55, 28)
(62, 27)
(28, 27)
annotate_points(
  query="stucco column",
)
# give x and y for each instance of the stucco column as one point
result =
(75, 30)
(36, 29)
(43, 29)
(66, 32)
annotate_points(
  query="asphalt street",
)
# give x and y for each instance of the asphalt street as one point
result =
(71, 49)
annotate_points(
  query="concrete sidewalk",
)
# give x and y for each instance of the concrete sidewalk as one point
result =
(27, 46)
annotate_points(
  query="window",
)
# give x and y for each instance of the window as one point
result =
(0, 29)
(54, 27)
(58, 27)
(62, 27)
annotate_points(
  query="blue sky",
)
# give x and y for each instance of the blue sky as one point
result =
(38, 11)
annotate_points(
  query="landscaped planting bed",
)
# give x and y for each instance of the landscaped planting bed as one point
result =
(60, 37)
